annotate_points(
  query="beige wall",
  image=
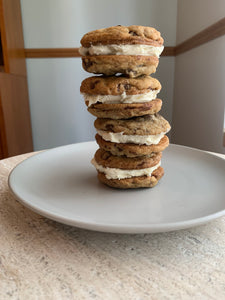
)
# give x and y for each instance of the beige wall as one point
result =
(199, 89)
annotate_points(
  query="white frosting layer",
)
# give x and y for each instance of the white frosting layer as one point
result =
(113, 173)
(119, 137)
(123, 98)
(127, 49)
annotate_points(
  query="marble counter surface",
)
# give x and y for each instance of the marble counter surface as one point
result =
(43, 259)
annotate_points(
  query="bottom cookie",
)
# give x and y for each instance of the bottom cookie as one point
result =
(134, 182)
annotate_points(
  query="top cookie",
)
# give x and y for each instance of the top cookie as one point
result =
(123, 35)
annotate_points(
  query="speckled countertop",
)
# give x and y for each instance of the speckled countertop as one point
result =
(43, 259)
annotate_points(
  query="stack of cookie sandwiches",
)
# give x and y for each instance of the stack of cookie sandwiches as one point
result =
(131, 133)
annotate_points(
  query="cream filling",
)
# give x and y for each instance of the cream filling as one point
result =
(127, 49)
(123, 98)
(119, 137)
(113, 173)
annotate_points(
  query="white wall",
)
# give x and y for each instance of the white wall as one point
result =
(62, 23)
(165, 74)
(199, 89)
(58, 112)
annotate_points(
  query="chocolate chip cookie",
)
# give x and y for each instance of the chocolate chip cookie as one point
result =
(133, 34)
(131, 149)
(138, 126)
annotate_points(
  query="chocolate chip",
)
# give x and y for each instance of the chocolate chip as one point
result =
(87, 63)
(145, 108)
(133, 33)
(133, 153)
(127, 86)
(141, 165)
(118, 87)
(93, 84)
(106, 155)
(109, 127)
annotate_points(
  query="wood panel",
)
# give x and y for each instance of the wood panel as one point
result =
(1, 53)
(15, 119)
(52, 52)
(210, 33)
(12, 37)
(3, 140)
(168, 51)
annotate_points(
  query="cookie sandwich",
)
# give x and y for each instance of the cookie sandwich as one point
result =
(120, 97)
(124, 172)
(132, 50)
(138, 136)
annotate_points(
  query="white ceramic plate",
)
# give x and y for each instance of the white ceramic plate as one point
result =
(61, 184)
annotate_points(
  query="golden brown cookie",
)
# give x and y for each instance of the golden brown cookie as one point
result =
(134, 182)
(117, 85)
(133, 34)
(146, 125)
(125, 111)
(131, 65)
(126, 172)
(132, 150)
(107, 160)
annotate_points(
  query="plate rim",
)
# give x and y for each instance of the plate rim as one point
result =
(113, 227)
